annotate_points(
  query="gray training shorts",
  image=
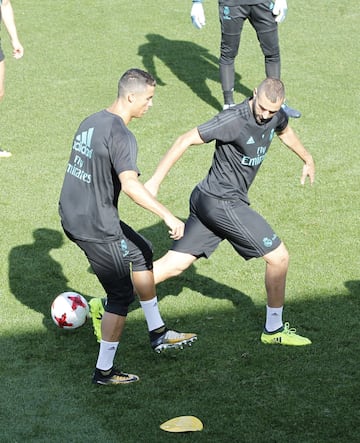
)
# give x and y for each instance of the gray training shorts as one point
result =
(212, 220)
(112, 263)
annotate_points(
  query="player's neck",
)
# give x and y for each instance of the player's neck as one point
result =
(119, 110)
(251, 101)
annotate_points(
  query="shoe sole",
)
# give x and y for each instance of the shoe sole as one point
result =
(280, 342)
(108, 383)
(113, 384)
(179, 345)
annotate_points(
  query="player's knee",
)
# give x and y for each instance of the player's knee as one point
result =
(278, 257)
(273, 60)
(229, 48)
(283, 257)
(227, 57)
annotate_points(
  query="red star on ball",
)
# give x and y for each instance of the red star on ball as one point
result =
(62, 322)
(76, 301)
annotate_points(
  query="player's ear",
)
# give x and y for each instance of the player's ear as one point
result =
(254, 92)
(131, 98)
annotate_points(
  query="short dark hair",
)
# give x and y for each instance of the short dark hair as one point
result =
(134, 80)
(273, 88)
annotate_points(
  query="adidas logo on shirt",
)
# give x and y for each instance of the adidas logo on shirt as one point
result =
(251, 141)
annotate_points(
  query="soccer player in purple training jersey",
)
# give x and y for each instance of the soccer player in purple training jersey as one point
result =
(102, 163)
(219, 204)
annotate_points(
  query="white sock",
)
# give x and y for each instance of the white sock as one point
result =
(152, 314)
(273, 318)
(106, 355)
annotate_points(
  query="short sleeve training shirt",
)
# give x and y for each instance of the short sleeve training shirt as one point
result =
(241, 145)
(103, 147)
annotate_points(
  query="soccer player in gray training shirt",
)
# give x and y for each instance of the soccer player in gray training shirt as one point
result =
(102, 163)
(264, 16)
(219, 204)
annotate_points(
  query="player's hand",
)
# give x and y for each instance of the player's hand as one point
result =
(308, 171)
(197, 14)
(18, 50)
(176, 226)
(280, 10)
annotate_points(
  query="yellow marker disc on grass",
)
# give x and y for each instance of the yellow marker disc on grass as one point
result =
(185, 423)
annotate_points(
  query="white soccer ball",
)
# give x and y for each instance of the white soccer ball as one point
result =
(69, 310)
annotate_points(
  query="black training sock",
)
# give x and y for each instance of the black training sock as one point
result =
(156, 332)
(227, 79)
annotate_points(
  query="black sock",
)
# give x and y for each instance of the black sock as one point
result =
(156, 332)
(105, 373)
(228, 97)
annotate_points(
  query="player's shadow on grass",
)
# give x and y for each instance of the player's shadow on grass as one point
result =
(190, 63)
(353, 287)
(55, 366)
(190, 278)
(35, 278)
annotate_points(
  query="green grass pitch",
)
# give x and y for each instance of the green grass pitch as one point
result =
(242, 390)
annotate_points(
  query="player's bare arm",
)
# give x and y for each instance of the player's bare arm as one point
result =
(292, 141)
(8, 19)
(134, 189)
(176, 151)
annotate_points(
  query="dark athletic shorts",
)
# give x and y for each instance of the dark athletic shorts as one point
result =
(112, 263)
(2, 56)
(212, 220)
